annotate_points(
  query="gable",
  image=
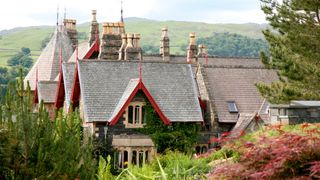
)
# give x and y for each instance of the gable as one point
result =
(48, 63)
(130, 92)
(172, 87)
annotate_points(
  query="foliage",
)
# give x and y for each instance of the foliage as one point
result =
(149, 49)
(233, 45)
(45, 41)
(178, 136)
(172, 165)
(294, 49)
(104, 169)
(21, 58)
(34, 147)
(292, 152)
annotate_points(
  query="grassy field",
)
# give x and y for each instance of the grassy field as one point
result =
(150, 30)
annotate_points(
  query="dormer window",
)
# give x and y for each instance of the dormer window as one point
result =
(232, 107)
(135, 115)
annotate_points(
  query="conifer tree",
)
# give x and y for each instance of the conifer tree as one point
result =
(294, 49)
(32, 146)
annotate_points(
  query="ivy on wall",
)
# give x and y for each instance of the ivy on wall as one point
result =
(176, 136)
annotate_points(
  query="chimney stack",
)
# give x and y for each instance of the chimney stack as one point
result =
(70, 25)
(192, 49)
(94, 29)
(111, 41)
(133, 50)
(165, 45)
(202, 51)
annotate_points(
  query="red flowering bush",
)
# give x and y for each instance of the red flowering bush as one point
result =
(287, 153)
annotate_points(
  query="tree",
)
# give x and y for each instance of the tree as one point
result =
(294, 49)
(21, 58)
(32, 146)
(233, 45)
(25, 51)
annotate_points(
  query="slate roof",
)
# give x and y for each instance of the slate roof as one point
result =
(237, 84)
(125, 96)
(242, 124)
(305, 103)
(48, 63)
(47, 91)
(82, 50)
(68, 76)
(173, 58)
(232, 62)
(104, 83)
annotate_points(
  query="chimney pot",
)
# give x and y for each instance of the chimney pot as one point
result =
(130, 39)
(192, 37)
(136, 38)
(94, 15)
(105, 28)
(165, 32)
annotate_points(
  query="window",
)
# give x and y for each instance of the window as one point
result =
(232, 107)
(130, 115)
(135, 115)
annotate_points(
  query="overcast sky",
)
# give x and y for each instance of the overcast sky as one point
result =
(17, 13)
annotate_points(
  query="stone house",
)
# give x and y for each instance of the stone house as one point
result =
(110, 81)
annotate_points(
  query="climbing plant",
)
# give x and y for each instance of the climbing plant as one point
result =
(176, 136)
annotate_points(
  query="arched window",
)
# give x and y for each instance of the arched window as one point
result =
(130, 114)
(141, 154)
(134, 157)
(135, 115)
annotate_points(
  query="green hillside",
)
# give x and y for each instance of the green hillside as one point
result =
(11, 41)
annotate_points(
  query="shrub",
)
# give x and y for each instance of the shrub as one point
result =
(291, 153)
(172, 165)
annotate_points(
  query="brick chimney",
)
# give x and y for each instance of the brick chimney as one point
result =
(111, 41)
(133, 50)
(94, 29)
(202, 51)
(165, 45)
(192, 49)
(70, 25)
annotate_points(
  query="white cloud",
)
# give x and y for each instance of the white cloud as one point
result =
(43, 12)
(255, 15)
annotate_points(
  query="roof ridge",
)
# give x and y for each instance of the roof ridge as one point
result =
(131, 61)
(235, 67)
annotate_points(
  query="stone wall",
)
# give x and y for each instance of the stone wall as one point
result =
(286, 115)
